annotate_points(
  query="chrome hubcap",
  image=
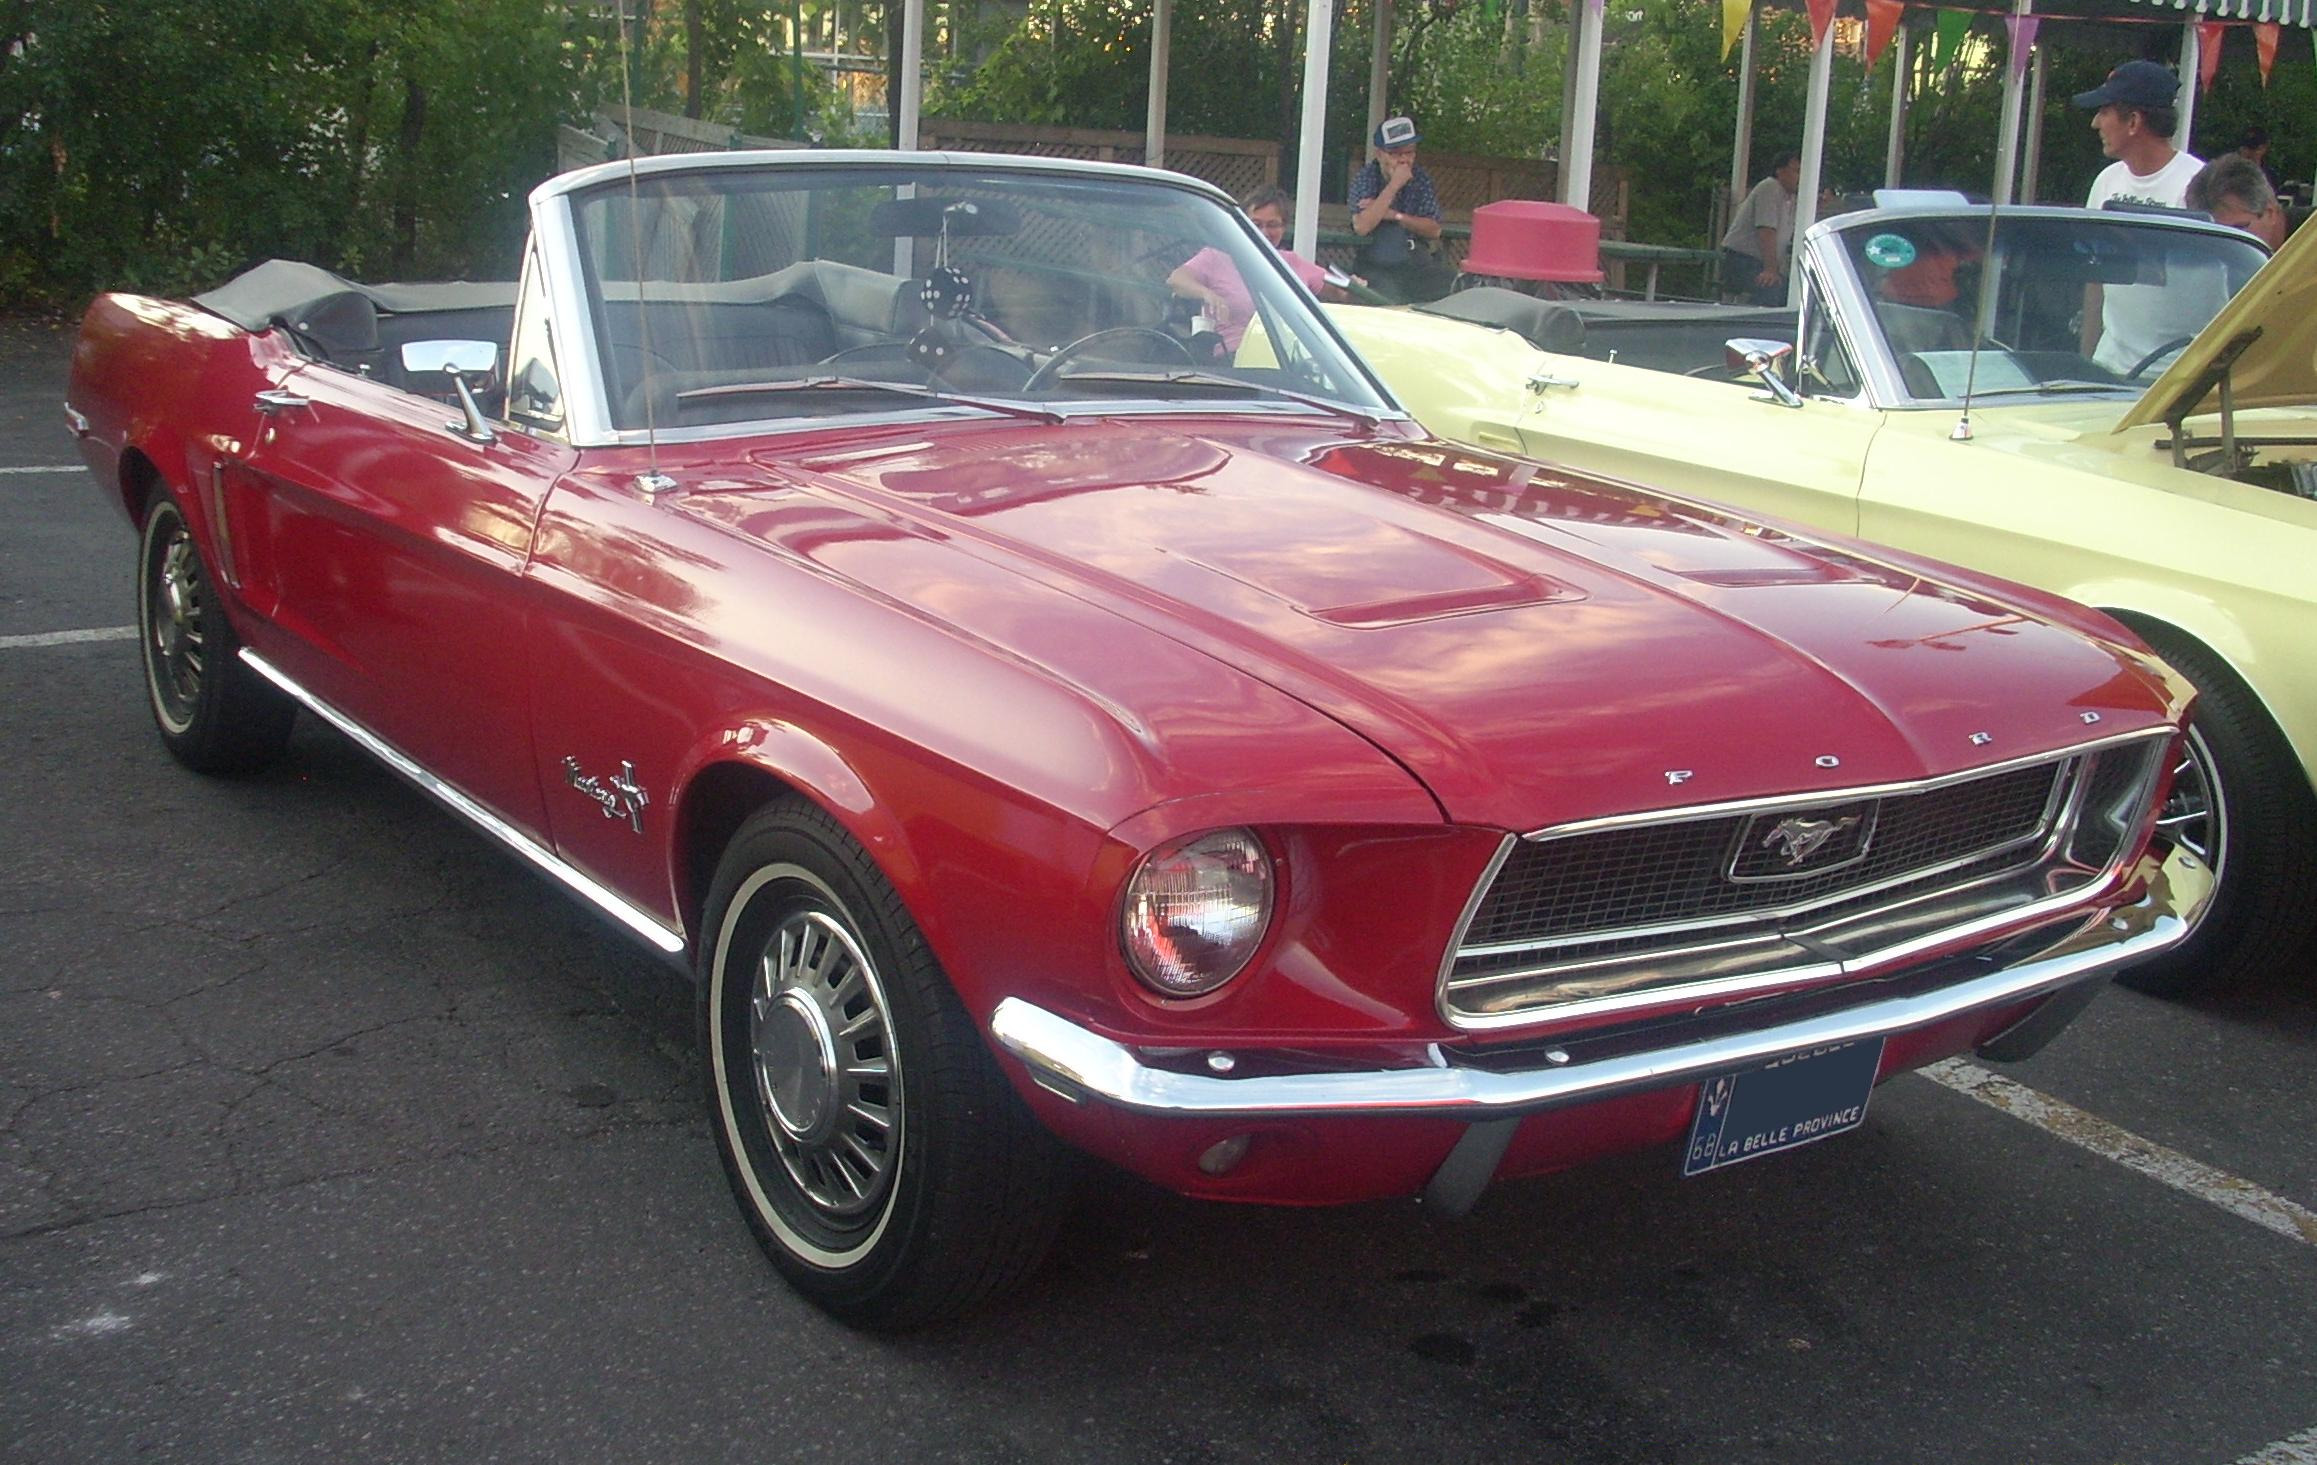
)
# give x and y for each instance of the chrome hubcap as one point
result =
(176, 620)
(820, 1042)
(2194, 818)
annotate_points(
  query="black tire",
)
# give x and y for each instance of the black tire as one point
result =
(880, 1157)
(2241, 803)
(214, 713)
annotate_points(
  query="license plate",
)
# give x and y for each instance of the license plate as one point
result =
(1790, 1101)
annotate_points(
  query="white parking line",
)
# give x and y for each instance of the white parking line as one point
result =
(45, 468)
(69, 638)
(2301, 1449)
(2238, 1196)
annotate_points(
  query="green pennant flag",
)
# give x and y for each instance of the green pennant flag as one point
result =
(1947, 39)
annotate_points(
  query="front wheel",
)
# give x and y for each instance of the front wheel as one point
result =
(882, 1161)
(2240, 804)
(215, 714)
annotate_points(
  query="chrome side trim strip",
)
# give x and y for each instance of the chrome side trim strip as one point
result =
(1079, 1065)
(609, 901)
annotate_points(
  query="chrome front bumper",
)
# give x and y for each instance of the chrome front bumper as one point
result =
(1080, 1065)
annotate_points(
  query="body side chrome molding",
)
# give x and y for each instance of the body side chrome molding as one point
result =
(634, 917)
(1078, 1064)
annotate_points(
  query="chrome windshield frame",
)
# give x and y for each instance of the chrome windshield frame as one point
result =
(588, 417)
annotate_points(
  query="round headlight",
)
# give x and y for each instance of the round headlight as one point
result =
(1196, 910)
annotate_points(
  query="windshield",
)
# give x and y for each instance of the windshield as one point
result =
(2092, 303)
(752, 294)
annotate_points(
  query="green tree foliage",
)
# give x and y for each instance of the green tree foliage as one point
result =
(734, 62)
(158, 145)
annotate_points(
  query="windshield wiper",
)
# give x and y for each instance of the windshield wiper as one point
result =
(863, 384)
(2054, 389)
(1237, 386)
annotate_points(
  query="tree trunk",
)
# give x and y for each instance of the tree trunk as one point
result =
(407, 175)
(695, 44)
(893, 27)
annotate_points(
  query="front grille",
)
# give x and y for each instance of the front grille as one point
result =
(1551, 890)
(1613, 914)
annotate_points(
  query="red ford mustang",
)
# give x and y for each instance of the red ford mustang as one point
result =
(1038, 728)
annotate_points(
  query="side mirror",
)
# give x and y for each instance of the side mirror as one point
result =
(1747, 357)
(474, 362)
(466, 365)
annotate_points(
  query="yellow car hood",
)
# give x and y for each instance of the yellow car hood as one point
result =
(2278, 367)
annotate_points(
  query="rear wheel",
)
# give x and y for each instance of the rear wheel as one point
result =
(215, 714)
(882, 1161)
(2241, 805)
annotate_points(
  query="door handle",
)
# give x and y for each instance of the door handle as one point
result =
(1541, 383)
(276, 400)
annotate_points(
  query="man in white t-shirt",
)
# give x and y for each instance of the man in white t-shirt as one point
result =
(2134, 115)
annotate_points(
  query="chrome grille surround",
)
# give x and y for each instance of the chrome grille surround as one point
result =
(1612, 915)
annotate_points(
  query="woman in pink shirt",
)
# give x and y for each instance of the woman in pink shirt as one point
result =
(1210, 278)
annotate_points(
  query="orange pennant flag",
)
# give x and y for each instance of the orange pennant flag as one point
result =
(1821, 17)
(2265, 42)
(1734, 13)
(2208, 38)
(1882, 23)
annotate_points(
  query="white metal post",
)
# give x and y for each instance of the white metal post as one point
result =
(912, 78)
(2191, 62)
(2034, 165)
(1380, 67)
(1318, 37)
(1902, 81)
(1577, 149)
(1154, 126)
(1813, 158)
(2007, 134)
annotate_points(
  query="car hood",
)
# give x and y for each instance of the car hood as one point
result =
(2266, 336)
(1534, 646)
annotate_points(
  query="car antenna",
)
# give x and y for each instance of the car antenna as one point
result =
(651, 483)
(1982, 316)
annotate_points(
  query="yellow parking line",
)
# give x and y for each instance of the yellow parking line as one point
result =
(2238, 1196)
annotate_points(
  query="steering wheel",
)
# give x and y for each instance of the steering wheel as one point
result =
(2156, 355)
(1045, 375)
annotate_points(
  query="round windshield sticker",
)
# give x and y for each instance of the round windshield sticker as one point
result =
(1890, 251)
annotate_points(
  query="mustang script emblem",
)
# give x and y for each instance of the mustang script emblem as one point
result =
(1801, 838)
(620, 795)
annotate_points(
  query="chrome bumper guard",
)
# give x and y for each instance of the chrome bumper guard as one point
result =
(1080, 1065)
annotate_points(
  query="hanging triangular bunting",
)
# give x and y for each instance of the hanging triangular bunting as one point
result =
(1734, 13)
(1947, 37)
(2265, 42)
(2208, 38)
(1821, 16)
(2022, 29)
(1882, 23)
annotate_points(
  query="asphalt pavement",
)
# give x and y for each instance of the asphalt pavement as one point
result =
(327, 1131)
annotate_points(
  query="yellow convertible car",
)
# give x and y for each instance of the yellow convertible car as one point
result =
(2120, 407)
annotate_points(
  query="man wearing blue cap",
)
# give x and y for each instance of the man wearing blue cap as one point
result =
(2133, 112)
(1396, 213)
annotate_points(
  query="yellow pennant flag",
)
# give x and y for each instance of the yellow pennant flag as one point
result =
(1734, 13)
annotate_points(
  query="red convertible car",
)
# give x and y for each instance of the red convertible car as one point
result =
(1038, 731)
